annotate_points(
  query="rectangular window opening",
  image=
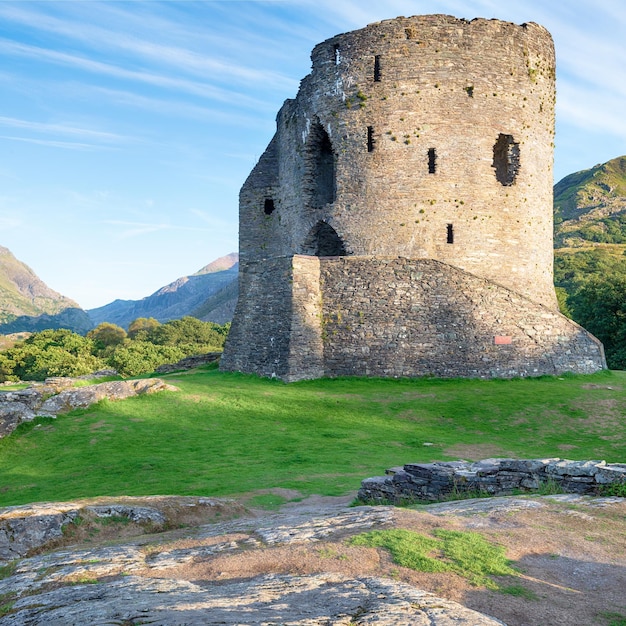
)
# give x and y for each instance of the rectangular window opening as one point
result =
(336, 54)
(432, 161)
(370, 139)
(377, 68)
(450, 237)
(268, 206)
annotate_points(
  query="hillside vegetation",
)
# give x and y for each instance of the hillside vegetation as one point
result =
(147, 345)
(589, 261)
(227, 434)
(590, 206)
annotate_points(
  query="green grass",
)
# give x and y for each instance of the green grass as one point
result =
(614, 619)
(228, 434)
(466, 553)
(519, 591)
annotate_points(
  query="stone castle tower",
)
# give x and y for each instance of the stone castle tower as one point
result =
(400, 221)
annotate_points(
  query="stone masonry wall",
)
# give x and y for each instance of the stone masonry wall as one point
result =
(258, 340)
(493, 477)
(276, 329)
(412, 317)
(306, 317)
(393, 141)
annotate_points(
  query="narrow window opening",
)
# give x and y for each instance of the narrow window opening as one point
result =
(268, 207)
(336, 54)
(377, 74)
(470, 91)
(323, 240)
(432, 160)
(450, 234)
(370, 139)
(506, 159)
(320, 179)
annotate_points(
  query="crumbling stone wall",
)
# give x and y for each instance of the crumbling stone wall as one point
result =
(427, 137)
(398, 317)
(493, 477)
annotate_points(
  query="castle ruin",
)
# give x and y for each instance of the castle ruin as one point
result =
(400, 221)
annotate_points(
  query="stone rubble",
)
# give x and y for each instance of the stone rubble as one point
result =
(493, 477)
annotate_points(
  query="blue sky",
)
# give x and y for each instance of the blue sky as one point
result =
(128, 127)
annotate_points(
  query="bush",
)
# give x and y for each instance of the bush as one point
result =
(140, 357)
(148, 345)
(50, 353)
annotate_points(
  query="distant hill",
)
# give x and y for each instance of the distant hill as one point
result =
(189, 295)
(590, 206)
(28, 304)
(590, 225)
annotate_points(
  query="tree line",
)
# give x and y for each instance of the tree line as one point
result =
(146, 345)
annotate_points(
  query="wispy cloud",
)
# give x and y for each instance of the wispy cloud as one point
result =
(211, 219)
(181, 109)
(177, 85)
(183, 59)
(60, 129)
(68, 145)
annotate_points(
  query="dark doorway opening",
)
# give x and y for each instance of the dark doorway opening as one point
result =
(323, 240)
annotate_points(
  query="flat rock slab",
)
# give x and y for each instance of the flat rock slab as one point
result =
(182, 576)
(315, 600)
(108, 585)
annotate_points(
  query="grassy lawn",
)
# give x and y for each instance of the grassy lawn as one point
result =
(228, 434)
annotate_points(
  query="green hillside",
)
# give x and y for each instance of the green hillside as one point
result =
(589, 255)
(590, 206)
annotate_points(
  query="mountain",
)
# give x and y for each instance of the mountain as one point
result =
(182, 297)
(28, 304)
(219, 307)
(590, 206)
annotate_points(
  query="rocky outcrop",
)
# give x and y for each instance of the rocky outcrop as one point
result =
(32, 527)
(273, 599)
(133, 585)
(297, 566)
(57, 396)
(494, 477)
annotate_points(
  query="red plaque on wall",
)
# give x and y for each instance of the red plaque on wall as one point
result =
(502, 340)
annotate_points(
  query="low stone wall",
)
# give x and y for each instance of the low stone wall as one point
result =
(494, 477)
